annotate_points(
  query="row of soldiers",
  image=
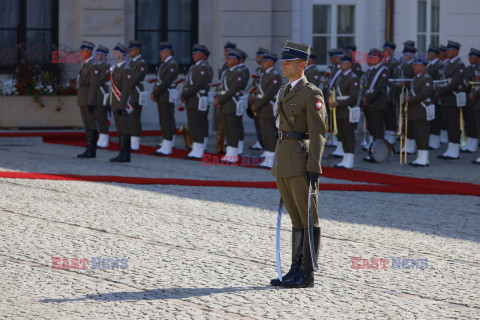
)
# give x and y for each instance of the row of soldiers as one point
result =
(439, 97)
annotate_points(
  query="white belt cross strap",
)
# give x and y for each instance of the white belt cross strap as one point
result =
(118, 95)
(372, 85)
(334, 78)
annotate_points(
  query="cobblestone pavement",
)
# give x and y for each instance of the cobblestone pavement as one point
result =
(209, 252)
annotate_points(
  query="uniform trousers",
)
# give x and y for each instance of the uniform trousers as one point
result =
(268, 132)
(229, 123)
(136, 120)
(89, 118)
(421, 131)
(166, 112)
(452, 116)
(294, 193)
(196, 124)
(375, 123)
(469, 119)
(102, 118)
(347, 131)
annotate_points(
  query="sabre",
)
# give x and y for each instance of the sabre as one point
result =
(279, 224)
(311, 197)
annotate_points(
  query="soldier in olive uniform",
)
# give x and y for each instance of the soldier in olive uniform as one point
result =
(122, 86)
(356, 66)
(87, 82)
(167, 73)
(433, 67)
(229, 46)
(258, 145)
(102, 108)
(312, 73)
(239, 119)
(195, 93)
(471, 133)
(301, 121)
(406, 72)
(374, 99)
(444, 62)
(392, 91)
(455, 71)
(420, 96)
(227, 102)
(139, 70)
(474, 95)
(347, 91)
(263, 106)
(334, 68)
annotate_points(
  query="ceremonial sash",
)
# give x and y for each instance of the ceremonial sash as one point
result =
(118, 95)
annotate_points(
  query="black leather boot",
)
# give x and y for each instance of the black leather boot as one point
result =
(91, 140)
(124, 141)
(304, 277)
(297, 251)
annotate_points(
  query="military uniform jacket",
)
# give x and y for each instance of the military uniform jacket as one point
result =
(331, 80)
(222, 70)
(454, 70)
(421, 91)
(406, 72)
(305, 108)
(139, 70)
(258, 72)
(122, 77)
(246, 72)
(392, 66)
(167, 73)
(433, 69)
(233, 83)
(199, 77)
(475, 89)
(347, 90)
(103, 77)
(357, 69)
(270, 83)
(313, 75)
(87, 84)
(376, 97)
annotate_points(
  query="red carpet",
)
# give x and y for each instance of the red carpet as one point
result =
(385, 182)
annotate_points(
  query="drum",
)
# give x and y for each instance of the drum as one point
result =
(380, 151)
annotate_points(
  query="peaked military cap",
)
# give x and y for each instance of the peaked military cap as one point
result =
(347, 57)
(293, 51)
(375, 53)
(102, 49)
(474, 53)
(420, 59)
(197, 48)
(120, 47)
(390, 45)
(165, 46)
(134, 44)
(235, 53)
(87, 45)
(409, 49)
(351, 47)
(409, 43)
(230, 45)
(261, 51)
(434, 49)
(242, 53)
(443, 48)
(335, 52)
(269, 56)
(453, 45)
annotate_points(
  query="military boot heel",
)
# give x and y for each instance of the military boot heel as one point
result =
(91, 151)
(304, 277)
(297, 251)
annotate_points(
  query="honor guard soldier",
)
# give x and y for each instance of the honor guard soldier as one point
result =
(444, 61)
(471, 75)
(167, 73)
(122, 86)
(335, 56)
(239, 119)
(139, 70)
(312, 73)
(258, 145)
(474, 95)
(226, 49)
(406, 72)
(301, 120)
(263, 106)
(102, 95)
(419, 100)
(227, 101)
(347, 91)
(392, 91)
(194, 95)
(433, 69)
(87, 82)
(454, 72)
(356, 67)
(374, 99)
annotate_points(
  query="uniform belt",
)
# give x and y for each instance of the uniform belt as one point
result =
(222, 92)
(282, 135)
(259, 96)
(342, 98)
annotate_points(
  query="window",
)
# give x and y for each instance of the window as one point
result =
(27, 28)
(175, 21)
(428, 24)
(333, 27)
